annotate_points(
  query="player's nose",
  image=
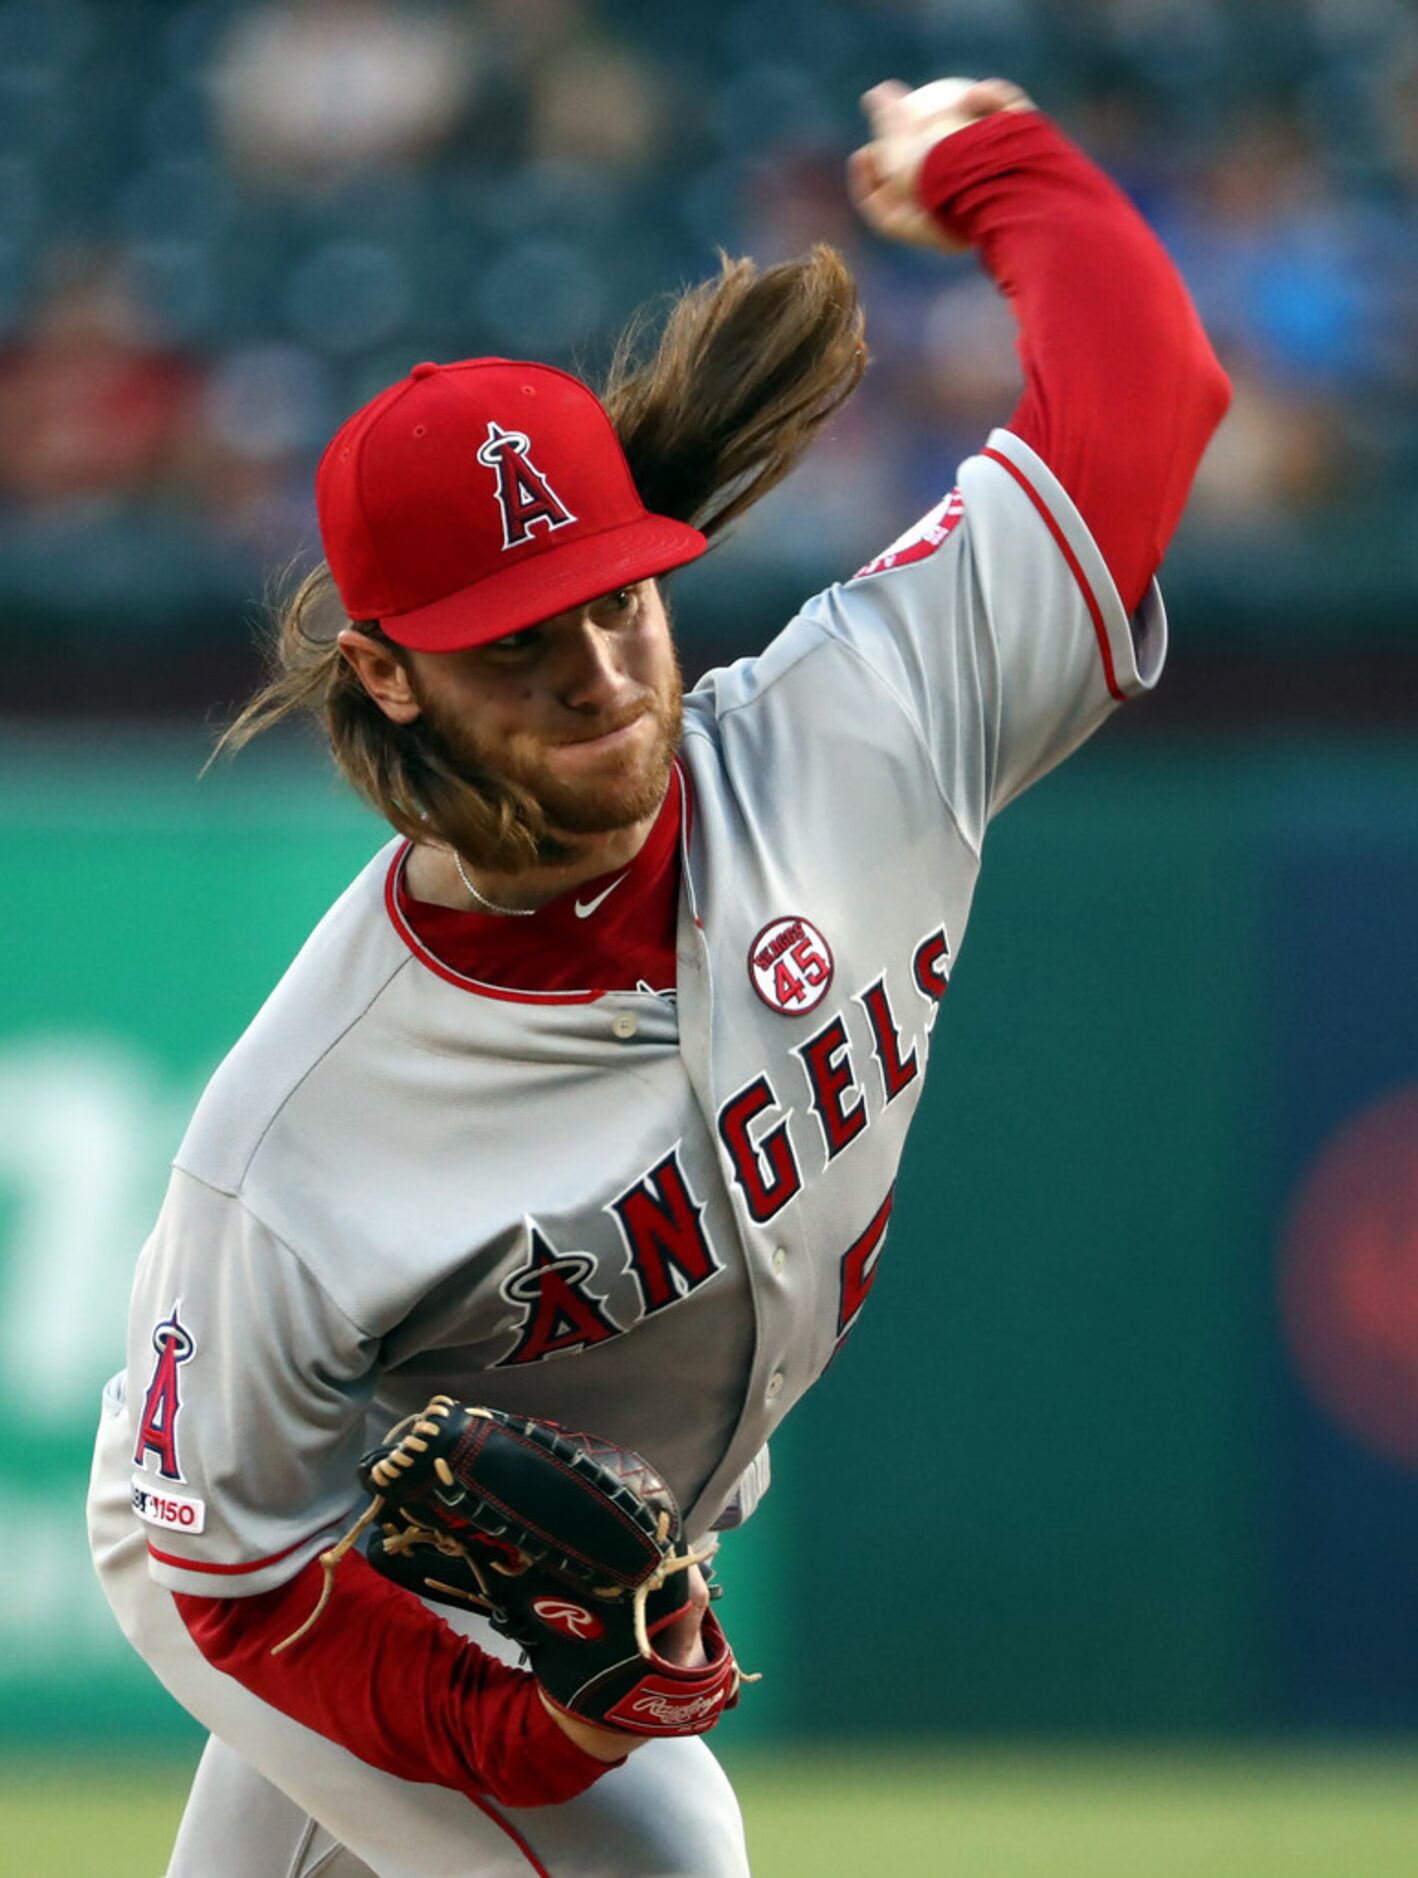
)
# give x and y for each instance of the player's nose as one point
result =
(591, 674)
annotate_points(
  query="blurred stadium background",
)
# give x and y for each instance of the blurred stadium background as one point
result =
(1153, 1285)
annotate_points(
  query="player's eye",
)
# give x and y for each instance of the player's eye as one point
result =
(514, 645)
(623, 601)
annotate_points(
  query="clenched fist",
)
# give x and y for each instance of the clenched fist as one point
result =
(882, 177)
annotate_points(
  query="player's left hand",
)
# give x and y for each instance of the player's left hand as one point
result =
(680, 1643)
(883, 177)
(573, 1547)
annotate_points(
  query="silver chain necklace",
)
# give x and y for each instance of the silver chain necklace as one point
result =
(515, 912)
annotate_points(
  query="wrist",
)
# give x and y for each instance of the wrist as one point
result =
(954, 166)
(602, 1744)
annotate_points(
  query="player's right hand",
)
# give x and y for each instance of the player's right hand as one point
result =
(682, 1642)
(883, 176)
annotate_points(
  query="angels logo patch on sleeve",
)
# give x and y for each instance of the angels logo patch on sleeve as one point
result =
(921, 539)
(162, 1403)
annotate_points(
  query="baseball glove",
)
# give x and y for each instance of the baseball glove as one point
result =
(571, 1545)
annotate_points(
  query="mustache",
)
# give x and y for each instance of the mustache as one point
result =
(619, 720)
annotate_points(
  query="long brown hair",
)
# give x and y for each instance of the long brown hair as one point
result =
(745, 370)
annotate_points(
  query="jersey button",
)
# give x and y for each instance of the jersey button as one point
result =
(775, 1385)
(780, 1257)
(624, 1025)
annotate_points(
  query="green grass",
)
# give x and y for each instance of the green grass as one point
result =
(955, 1814)
(1105, 1815)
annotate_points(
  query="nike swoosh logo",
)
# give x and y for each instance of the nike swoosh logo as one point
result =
(585, 908)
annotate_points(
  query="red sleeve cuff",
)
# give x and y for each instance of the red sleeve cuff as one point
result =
(982, 153)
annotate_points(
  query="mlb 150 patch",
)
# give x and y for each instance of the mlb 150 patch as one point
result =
(178, 1512)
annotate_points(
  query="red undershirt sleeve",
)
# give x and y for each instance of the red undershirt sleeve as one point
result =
(1122, 389)
(384, 1677)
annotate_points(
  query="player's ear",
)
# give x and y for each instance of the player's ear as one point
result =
(380, 670)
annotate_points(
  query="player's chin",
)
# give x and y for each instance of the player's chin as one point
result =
(600, 811)
(599, 801)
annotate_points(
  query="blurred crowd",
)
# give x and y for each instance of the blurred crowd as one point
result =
(223, 224)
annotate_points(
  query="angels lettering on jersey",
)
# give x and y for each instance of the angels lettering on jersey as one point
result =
(561, 1295)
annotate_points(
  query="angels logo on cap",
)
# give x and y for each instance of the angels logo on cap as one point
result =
(476, 499)
(523, 494)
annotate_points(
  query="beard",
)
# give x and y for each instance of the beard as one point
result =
(512, 809)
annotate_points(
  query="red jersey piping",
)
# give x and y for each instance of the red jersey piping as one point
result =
(227, 1571)
(536, 1864)
(435, 964)
(1095, 612)
(477, 986)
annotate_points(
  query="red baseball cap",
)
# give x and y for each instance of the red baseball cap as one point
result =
(474, 499)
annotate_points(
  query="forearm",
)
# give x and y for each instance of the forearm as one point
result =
(381, 1675)
(1122, 389)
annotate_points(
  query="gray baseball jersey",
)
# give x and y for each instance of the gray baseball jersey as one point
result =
(656, 1216)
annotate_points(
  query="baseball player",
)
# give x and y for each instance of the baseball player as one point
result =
(586, 1099)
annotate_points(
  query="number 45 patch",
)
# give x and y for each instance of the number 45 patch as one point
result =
(790, 964)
